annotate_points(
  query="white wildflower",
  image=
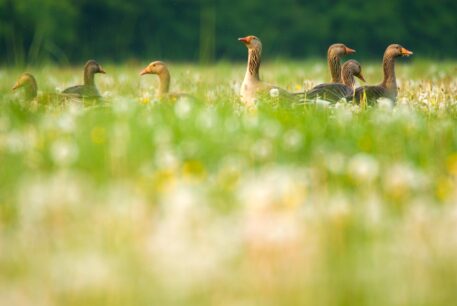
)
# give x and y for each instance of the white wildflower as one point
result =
(293, 139)
(262, 149)
(363, 168)
(88, 271)
(41, 196)
(385, 103)
(271, 188)
(15, 142)
(188, 241)
(322, 103)
(166, 159)
(335, 163)
(274, 92)
(271, 129)
(207, 119)
(339, 206)
(64, 152)
(66, 123)
(183, 108)
(121, 106)
(343, 114)
(401, 178)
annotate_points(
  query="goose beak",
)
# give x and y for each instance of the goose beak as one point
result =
(244, 40)
(145, 71)
(406, 52)
(100, 70)
(16, 86)
(349, 50)
(360, 76)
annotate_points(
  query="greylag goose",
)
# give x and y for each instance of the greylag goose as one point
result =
(161, 70)
(28, 83)
(252, 87)
(333, 92)
(88, 90)
(388, 87)
(334, 54)
(30, 87)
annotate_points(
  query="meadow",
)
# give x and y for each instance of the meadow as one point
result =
(134, 202)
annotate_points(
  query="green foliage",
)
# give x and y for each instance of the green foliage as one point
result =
(31, 30)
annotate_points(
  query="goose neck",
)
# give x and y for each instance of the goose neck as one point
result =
(348, 78)
(334, 66)
(164, 78)
(253, 67)
(389, 81)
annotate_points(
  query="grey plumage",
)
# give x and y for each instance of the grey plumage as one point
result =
(88, 90)
(388, 87)
(333, 92)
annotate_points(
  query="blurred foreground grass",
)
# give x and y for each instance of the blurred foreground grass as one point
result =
(203, 203)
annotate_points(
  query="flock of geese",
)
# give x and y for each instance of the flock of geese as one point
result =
(253, 88)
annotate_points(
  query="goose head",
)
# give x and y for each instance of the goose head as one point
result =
(28, 82)
(355, 68)
(156, 67)
(396, 50)
(251, 42)
(25, 80)
(93, 67)
(339, 50)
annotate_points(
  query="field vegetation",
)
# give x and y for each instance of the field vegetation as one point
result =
(131, 201)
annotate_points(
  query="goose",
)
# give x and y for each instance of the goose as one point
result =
(388, 87)
(30, 87)
(161, 70)
(252, 87)
(28, 82)
(88, 90)
(333, 92)
(334, 54)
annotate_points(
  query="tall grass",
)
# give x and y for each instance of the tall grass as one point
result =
(201, 202)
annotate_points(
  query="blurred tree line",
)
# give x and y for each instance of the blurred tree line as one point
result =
(32, 31)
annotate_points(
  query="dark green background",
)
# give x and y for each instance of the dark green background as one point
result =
(34, 31)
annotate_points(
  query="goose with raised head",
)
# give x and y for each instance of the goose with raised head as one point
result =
(333, 92)
(388, 87)
(88, 89)
(252, 87)
(160, 69)
(334, 54)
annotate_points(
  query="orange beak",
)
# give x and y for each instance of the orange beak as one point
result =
(406, 52)
(360, 76)
(349, 50)
(245, 40)
(145, 71)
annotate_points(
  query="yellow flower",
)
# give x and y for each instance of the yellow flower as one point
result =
(145, 100)
(98, 135)
(194, 169)
(164, 179)
(444, 188)
(452, 164)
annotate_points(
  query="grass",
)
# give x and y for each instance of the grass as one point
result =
(204, 203)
